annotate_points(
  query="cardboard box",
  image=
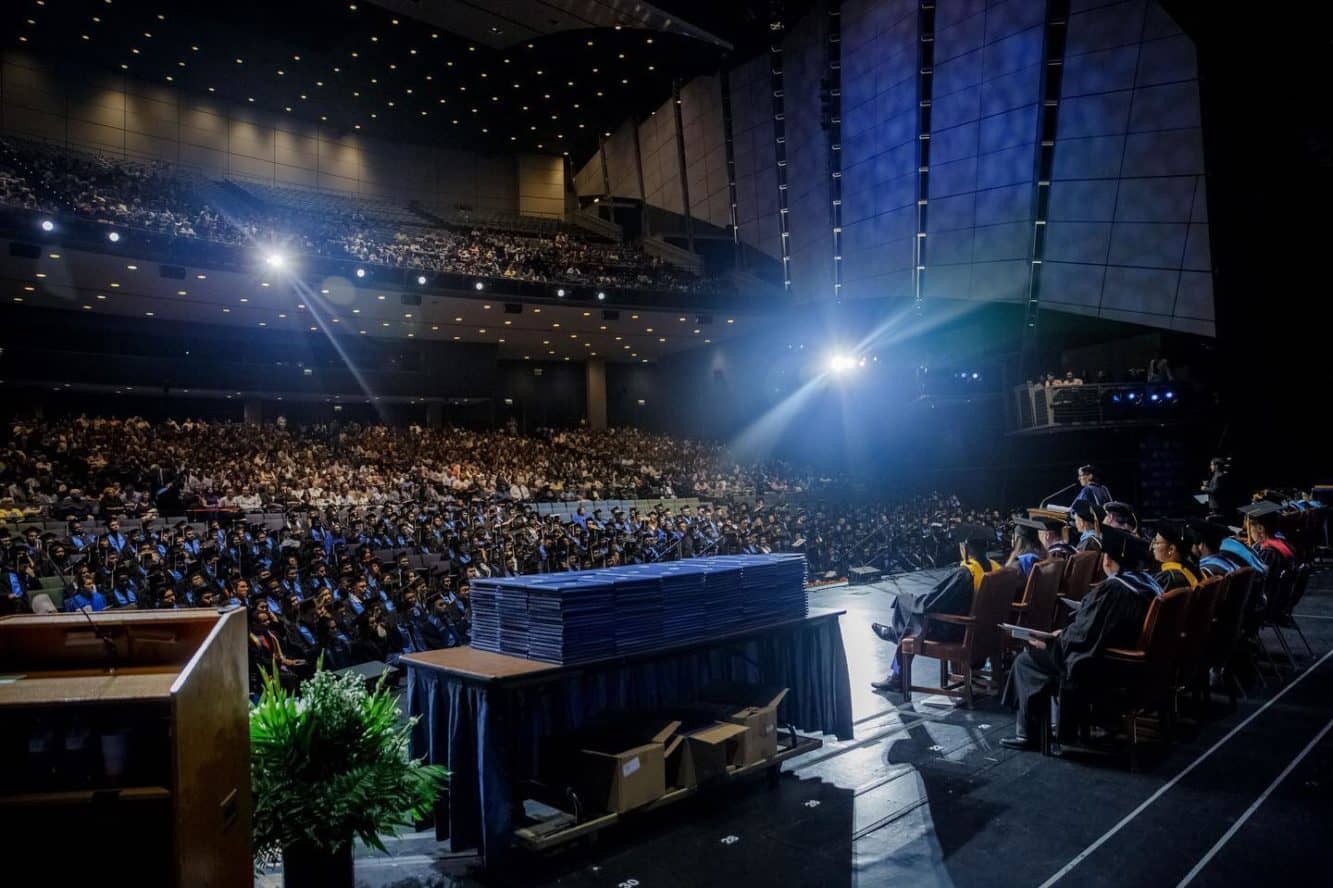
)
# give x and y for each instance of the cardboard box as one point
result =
(756, 709)
(705, 754)
(622, 769)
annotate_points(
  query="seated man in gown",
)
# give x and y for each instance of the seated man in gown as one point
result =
(951, 595)
(1111, 615)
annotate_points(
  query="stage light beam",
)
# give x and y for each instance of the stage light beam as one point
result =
(842, 363)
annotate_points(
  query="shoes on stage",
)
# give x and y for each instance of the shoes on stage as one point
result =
(884, 632)
(892, 683)
(1017, 742)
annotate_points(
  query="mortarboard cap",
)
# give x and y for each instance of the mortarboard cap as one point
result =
(1031, 523)
(972, 533)
(1263, 513)
(1174, 532)
(1122, 512)
(1210, 533)
(1126, 549)
(1087, 511)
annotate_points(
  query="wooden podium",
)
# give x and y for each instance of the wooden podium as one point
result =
(125, 747)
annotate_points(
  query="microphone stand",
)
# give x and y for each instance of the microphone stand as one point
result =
(1058, 492)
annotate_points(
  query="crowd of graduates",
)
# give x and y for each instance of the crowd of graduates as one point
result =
(359, 543)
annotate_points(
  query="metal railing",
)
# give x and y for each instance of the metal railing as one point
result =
(1038, 407)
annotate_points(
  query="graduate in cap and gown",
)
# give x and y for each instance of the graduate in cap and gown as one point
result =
(1170, 547)
(1111, 615)
(1213, 560)
(1087, 522)
(951, 595)
(1028, 549)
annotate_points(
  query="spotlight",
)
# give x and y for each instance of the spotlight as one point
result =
(114, 237)
(601, 296)
(1155, 396)
(1170, 396)
(48, 225)
(421, 279)
(560, 292)
(360, 272)
(479, 285)
(976, 375)
(841, 363)
(275, 260)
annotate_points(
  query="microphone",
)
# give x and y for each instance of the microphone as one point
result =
(112, 652)
(1057, 493)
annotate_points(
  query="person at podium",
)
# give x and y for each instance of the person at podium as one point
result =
(1091, 491)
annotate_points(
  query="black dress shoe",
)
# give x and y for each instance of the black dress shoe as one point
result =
(884, 632)
(892, 683)
(1017, 742)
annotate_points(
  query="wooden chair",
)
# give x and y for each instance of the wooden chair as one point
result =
(1036, 610)
(1080, 571)
(1192, 675)
(1224, 642)
(982, 640)
(1146, 672)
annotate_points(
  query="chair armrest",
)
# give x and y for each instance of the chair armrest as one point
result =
(955, 619)
(1126, 656)
(1019, 606)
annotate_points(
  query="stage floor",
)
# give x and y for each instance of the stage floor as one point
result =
(925, 795)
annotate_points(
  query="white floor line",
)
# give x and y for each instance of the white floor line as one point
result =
(1106, 836)
(1235, 827)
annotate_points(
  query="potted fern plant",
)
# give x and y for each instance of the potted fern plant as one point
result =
(330, 767)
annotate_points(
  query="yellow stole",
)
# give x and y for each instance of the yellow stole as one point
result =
(1176, 565)
(974, 567)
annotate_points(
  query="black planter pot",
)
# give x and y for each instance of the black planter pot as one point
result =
(306, 867)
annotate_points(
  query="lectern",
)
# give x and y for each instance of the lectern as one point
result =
(124, 747)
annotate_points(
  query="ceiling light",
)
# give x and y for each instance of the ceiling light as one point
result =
(421, 279)
(48, 225)
(479, 286)
(360, 272)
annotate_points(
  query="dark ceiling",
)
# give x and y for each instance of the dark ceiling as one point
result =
(373, 69)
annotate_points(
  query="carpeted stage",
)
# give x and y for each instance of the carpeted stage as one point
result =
(924, 795)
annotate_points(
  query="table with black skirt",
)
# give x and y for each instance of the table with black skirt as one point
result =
(485, 716)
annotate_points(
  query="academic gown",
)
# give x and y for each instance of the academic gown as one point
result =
(951, 595)
(1111, 615)
(1218, 564)
(1174, 575)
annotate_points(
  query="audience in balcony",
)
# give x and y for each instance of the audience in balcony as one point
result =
(156, 197)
